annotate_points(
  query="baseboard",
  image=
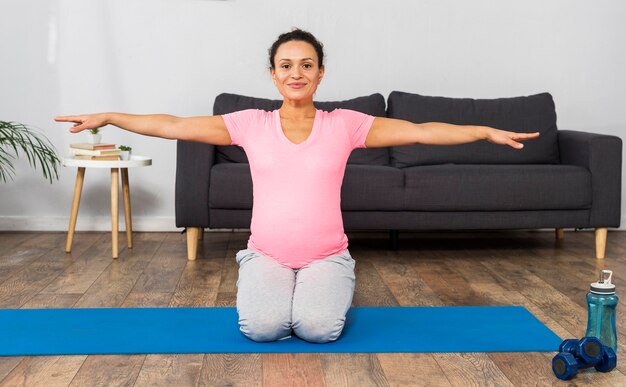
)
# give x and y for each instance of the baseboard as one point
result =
(91, 223)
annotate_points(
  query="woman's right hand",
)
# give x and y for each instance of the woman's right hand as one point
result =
(207, 129)
(83, 122)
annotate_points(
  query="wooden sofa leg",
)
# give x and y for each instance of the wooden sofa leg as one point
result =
(601, 241)
(192, 242)
(559, 233)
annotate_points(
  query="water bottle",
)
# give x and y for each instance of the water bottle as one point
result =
(601, 303)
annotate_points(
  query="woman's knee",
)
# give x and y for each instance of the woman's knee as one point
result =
(318, 329)
(265, 329)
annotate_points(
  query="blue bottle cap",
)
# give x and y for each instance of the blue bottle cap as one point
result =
(604, 285)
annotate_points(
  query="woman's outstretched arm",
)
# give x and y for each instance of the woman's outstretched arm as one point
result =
(393, 132)
(207, 129)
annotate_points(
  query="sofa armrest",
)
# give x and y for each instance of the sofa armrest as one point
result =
(602, 156)
(193, 172)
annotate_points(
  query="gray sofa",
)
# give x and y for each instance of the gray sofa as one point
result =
(564, 179)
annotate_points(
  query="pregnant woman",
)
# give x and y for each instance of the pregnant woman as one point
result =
(296, 275)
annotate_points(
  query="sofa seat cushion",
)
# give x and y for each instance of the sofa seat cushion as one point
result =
(372, 188)
(454, 187)
(373, 104)
(534, 113)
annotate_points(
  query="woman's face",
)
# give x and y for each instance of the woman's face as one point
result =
(297, 73)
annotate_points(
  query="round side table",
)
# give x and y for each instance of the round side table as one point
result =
(115, 166)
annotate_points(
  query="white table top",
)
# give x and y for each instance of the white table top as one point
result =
(135, 161)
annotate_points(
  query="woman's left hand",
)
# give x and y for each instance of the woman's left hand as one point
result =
(512, 139)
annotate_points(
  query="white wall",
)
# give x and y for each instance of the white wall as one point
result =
(174, 56)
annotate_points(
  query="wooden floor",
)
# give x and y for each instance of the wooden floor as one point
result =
(548, 277)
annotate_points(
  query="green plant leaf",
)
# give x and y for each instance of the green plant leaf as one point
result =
(19, 138)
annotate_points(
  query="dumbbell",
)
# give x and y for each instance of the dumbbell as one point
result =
(578, 354)
(589, 349)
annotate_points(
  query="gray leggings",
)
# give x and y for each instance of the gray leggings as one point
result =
(273, 299)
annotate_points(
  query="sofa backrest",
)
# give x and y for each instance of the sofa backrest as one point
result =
(373, 104)
(520, 114)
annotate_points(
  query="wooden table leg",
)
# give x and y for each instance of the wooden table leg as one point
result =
(114, 209)
(127, 212)
(78, 188)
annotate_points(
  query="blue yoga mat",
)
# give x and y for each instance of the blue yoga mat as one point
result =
(215, 330)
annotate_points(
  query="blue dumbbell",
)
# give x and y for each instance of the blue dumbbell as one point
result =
(589, 349)
(578, 354)
(609, 360)
(565, 365)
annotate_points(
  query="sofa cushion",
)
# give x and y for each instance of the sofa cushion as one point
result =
(519, 114)
(373, 105)
(372, 188)
(497, 187)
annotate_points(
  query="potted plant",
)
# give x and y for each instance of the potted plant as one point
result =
(94, 136)
(16, 137)
(125, 155)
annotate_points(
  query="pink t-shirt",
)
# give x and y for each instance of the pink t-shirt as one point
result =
(296, 212)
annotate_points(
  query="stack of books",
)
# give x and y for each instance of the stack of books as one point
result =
(85, 151)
